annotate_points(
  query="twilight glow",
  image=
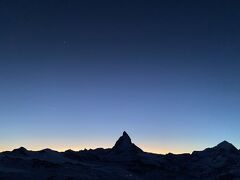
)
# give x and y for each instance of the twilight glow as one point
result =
(76, 74)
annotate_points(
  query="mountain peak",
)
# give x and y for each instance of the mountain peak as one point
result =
(126, 137)
(125, 133)
(20, 151)
(226, 146)
(222, 148)
(124, 144)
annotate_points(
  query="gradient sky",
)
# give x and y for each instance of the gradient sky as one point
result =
(76, 74)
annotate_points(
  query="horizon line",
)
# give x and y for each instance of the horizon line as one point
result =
(79, 148)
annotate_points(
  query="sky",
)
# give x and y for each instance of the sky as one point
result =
(76, 74)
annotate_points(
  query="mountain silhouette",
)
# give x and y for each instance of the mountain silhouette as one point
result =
(123, 161)
(20, 151)
(226, 146)
(124, 145)
(223, 148)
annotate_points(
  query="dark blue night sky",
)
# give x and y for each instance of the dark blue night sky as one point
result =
(75, 74)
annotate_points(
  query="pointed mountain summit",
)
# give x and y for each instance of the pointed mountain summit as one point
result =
(226, 146)
(124, 145)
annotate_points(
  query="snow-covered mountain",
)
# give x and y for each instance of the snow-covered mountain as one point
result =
(123, 161)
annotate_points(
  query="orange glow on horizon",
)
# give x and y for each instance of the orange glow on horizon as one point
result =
(62, 148)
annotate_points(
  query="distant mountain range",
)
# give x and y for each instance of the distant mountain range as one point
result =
(123, 161)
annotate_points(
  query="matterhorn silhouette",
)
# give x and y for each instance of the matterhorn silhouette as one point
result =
(124, 145)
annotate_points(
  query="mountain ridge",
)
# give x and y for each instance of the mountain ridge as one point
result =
(21, 148)
(124, 160)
